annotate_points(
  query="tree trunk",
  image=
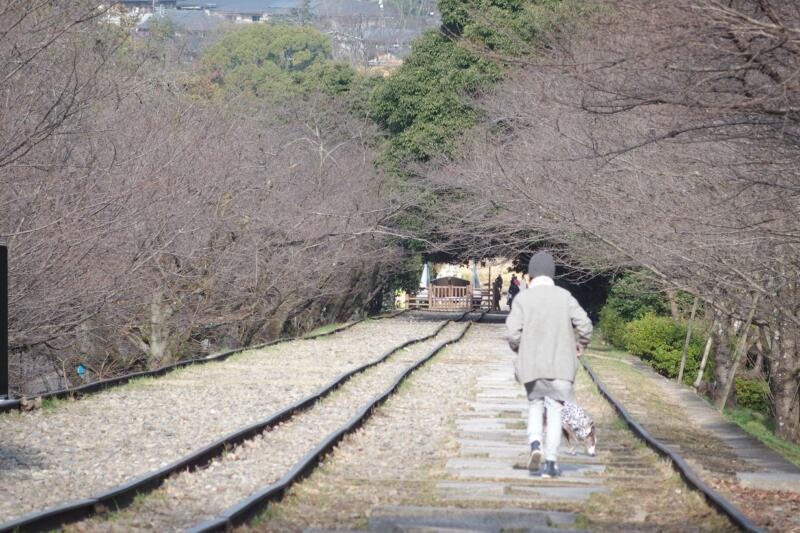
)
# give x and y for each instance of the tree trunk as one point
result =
(688, 339)
(160, 312)
(785, 382)
(741, 347)
(276, 322)
(723, 359)
(757, 371)
(673, 304)
(706, 353)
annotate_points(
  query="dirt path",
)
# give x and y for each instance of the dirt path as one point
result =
(746, 472)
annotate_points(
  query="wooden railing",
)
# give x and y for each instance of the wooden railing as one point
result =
(450, 298)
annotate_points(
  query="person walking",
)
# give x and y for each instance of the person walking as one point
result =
(496, 288)
(513, 290)
(541, 329)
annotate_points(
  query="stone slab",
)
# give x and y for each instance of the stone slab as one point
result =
(769, 481)
(317, 530)
(497, 407)
(412, 518)
(496, 492)
(512, 435)
(557, 493)
(569, 473)
(511, 453)
(491, 462)
(496, 443)
(484, 424)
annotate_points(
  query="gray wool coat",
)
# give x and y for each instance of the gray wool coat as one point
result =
(541, 328)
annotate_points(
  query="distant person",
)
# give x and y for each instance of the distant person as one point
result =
(497, 287)
(541, 329)
(513, 290)
(523, 284)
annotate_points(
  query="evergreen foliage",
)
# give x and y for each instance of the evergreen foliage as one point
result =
(429, 102)
(633, 296)
(613, 326)
(426, 103)
(512, 27)
(274, 61)
(753, 394)
(658, 340)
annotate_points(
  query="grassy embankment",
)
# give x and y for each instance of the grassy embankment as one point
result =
(758, 425)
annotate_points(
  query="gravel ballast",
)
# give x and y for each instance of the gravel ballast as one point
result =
(76, 449)
(188, 498)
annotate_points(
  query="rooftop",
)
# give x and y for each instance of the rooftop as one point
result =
(191, 21)
(242, 7)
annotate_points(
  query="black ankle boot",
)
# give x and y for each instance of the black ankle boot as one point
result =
(550, 469)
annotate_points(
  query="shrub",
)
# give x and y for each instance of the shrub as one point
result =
(633, 296)
(752, 394)
(613, 327)
(659, 341)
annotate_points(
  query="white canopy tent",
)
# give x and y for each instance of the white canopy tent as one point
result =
(476, 282)
(425, 279)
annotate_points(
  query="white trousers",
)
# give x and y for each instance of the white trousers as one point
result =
(552, 433)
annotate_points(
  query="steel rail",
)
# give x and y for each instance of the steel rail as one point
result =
(686, 472)
(253, 504)
(123, 495)
(101, 385)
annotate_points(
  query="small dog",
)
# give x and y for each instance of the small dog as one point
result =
(576, 424)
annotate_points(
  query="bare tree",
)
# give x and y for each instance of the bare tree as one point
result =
(146, 224)
(664, 136)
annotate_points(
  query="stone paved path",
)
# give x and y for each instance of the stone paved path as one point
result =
(492, 463)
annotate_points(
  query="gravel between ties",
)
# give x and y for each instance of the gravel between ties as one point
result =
(190, 498)
(81, 448)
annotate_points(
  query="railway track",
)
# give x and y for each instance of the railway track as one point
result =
(255, 467)
(122, 495)
(624, 462)
(687, 473)
(75, 393)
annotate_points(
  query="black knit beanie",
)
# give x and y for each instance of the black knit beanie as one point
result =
(542, 264)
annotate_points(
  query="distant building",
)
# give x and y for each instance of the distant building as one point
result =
(197, 23)
(245, 10)
(369, 33)
(145, 6)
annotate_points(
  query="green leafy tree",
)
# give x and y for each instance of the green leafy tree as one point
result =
(510, 26)
(426, 103)
(633, 296)
(274, 60)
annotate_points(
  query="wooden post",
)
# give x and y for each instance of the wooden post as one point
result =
(740, 347)
(688, 338)
(3, 322)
